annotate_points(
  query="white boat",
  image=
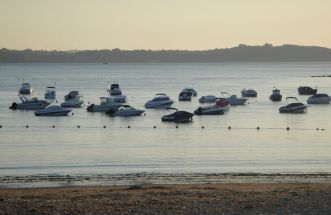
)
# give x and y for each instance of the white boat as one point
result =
(294, 107)
(114, 90)
(248, 92)
(53, 110)
(73, 99)
(50, 93)
(29, 104)
(190, 90)
(320, 98)
(160, 100)
(233, 99)
(25, 89)
(125, 110)
(219, 108)
(208, 98)
(185, 96)
(106, 104)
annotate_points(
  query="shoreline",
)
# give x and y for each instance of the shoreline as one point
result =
(230, 198)
(40, 181)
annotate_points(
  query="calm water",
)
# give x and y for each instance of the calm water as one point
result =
(117, 149)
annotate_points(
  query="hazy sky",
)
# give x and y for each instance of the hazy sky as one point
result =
(162, 24)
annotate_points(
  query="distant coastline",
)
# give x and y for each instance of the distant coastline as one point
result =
(241, 53)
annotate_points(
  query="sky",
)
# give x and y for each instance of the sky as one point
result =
(162, 24)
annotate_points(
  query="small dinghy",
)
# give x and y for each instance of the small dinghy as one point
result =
(178, 116)
(294, 107)
(53, 110)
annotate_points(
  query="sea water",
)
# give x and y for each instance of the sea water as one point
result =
(204, 146)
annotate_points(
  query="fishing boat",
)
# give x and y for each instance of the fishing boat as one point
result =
(275, 96)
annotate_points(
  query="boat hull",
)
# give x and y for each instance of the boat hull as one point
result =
(128, 113)
(163, 104)
(275, 98)
(293, 110)
(58, 113)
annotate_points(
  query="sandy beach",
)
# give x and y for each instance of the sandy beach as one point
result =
(243, 198)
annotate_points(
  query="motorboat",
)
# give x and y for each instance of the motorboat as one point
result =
(320, 98)
(178, 116)
(119, 98)
(125, 110)
(233, 99)
(208, 98)
(29, 104)
(294, 107)
(190, 90)
(275, 96)
(305, 90)
(53, 110)
(185, 96)
(106, 104)
(114, 90)
(248, 92)
(50, 93)
(222, 105)
(72, 99)
(25, 89)
(160, 100)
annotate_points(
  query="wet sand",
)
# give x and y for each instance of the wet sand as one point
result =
(239, 198)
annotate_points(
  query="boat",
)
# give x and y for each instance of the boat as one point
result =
(160, 100)
(185, 96)
(125, 110)
(294, 107)
(190, 90)
(248, 92)
(305, 90)
(50, 93)
(275, 96)
(53, 110)
(208, 98)
(106, 104)
(233, 99)
(320, 98)
(29, 104)
(25, 89)
(72, 99)
(178, 116)
(219, 108)
(114, 90)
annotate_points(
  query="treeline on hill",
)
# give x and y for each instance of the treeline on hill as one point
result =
(241, 53)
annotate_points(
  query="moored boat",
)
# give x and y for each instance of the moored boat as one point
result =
(50, 93)
(248, 92)
(294, 107)
(275, 96)
(208, 98)
(25, 89)
(114, 89)
(29, 104)
(178, 116)
(305, 90)
(185, 96)
(160, 100)
(233, 99)
(53, 110)
(73, 99)
(125, 110)
(106, 104)
(190, 90)
(320, 98)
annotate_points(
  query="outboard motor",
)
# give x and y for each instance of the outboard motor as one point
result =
(90, 107)
(13, 106)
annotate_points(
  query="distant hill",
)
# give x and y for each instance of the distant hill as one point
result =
(241, 53)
